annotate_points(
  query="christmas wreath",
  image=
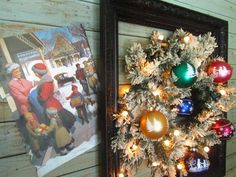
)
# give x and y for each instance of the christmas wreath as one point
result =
(174, 111)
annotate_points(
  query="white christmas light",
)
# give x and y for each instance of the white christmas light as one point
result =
(134, 147)
(206, 149)
(167, 142)
(161, 37)
(155, 164)
(156, 92)
(186, 39)
(179, 166)
(121, 175)
(124, 113)
(222, 92)
(176, 132)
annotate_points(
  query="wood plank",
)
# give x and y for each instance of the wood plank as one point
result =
(231, 115)
(5, 112)
(126, 42)
(17, 166)
(81, 162)
(89, 172)
(233, 77)
(231, 146)
(20, 165)
(230, 161)
(214, 6)
(232, 56)
(204, 9)
(56, 13)
(232, 39)
(129, 29)
(92, 1)
(11, 142)
(231, 172)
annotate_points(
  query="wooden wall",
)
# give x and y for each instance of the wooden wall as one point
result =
(20, 16)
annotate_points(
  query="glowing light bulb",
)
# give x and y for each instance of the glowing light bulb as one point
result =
(121, 175)
(134, 147)
(124, 113)
(186, 39)
(167, 142)
(222, 92)
(194, 149)
(206, 149)
(155, 164)
(156, 92)
(180, 166)
(123, 89)
(161, 37)
(176, 132)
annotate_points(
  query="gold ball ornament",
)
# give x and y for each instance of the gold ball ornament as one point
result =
(154, 124)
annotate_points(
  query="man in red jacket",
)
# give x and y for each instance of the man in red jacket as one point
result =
(46, 95)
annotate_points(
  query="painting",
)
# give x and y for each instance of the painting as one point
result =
(50, 82)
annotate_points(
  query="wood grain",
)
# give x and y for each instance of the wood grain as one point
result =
(50, 12)
(11, 142)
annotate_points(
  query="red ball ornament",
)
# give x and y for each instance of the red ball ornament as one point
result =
(224, 128)
(220, 71)
(196, 163)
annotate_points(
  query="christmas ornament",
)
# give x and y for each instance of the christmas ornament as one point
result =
(186, 107)
(154, 124)
(224, 128)
(184, 75)
(220, 71)
(196, 163)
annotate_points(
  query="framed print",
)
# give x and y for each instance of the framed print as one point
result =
(50, 82)
(122, 23)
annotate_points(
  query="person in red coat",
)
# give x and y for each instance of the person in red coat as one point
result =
(46, 95)
(19, 89)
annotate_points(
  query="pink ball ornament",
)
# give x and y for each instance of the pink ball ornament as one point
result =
(220, 71)
(224, 128)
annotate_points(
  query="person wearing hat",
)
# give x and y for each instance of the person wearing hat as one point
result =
(91, 75)
(46, 95)
(63, 139)
(80, 75)
(19, 89)
(77, 101)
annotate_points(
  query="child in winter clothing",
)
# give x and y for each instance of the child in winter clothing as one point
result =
(77, 101)
(32, 126)
(64, 140)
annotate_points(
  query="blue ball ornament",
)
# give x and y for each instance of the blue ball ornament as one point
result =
(186, 107)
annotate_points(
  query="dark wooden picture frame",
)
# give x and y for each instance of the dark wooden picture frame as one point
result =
(156, 14)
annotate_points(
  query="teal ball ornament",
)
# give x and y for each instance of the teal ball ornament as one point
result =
(184, 75)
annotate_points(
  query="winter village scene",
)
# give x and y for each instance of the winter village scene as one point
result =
(51, 88)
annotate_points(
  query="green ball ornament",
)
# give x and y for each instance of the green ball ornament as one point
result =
(184, 75)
